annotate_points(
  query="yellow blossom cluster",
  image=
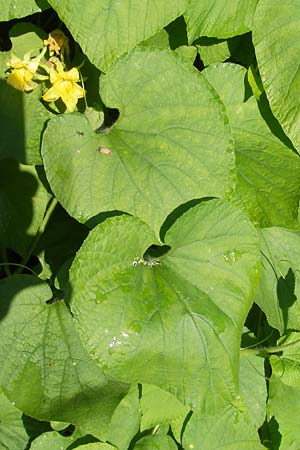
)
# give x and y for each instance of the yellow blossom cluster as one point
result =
(24, 73)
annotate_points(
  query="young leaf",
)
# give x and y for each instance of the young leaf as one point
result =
(268, 173)
(111, 28)
(167, 147)
(44, 368)
(277, 47)
(128, 308)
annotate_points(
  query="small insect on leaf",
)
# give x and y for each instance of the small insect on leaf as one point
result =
(105, 151)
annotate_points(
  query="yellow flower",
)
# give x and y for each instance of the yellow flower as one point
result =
(21, 77)
(22, 73)
(64, 86)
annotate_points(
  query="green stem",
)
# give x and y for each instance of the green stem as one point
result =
(18, 265)
(267, 350)
(40, 231)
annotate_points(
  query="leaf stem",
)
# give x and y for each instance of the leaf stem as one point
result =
(267, 350)
(52, 204)
(18, 265)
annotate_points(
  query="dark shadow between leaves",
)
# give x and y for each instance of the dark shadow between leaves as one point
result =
(269, 434)
(179, 211)
(111, 116)
(286, 294)
(34, 428)
(272, 122)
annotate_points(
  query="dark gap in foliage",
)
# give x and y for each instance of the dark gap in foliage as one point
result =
(179, 211)
(185, 422)
(88, 439)
(269, 434)
(248, 91)
(198, 63)
(68, 431)
(11, 262)
(177, 33)
(111, 116)
(57, 295)
(272, 122)
(34, 428)
(155, 251)
(241, 50)
(286, 295)
(257, 323)
(140, 390)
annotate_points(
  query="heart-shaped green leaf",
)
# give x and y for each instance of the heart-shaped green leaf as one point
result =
(181, 316)
(166, 148)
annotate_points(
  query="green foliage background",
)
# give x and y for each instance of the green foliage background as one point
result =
(150, 240)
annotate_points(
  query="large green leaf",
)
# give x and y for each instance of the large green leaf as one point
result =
(180, 319)
(13, 435)
(44, 368)
(275, 35)
(112, 28)
(167, 146)
(22, 115)
(279, 290)
(12, 9)
(220, 19)
(268, 173)
(23, 201)
(284, 392)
